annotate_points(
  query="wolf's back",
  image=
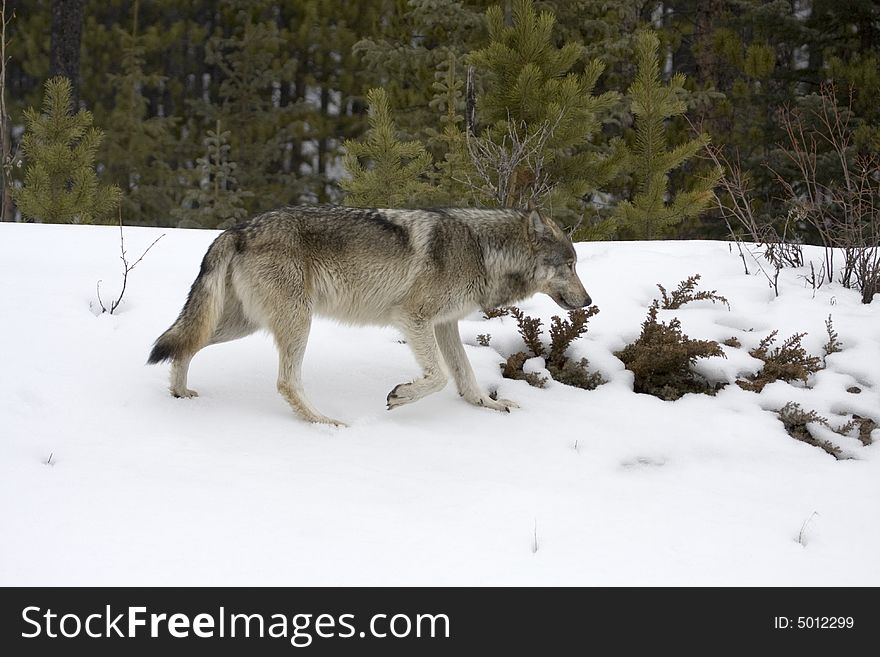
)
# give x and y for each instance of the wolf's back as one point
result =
(203, 306)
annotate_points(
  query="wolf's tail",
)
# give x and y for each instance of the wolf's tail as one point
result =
(201, 312)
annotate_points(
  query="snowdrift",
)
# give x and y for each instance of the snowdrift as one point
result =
(602, 487)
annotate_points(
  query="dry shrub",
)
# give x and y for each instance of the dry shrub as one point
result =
(833, 345)
(662, 356)
(795, 420)
(562, 334)
(834, 188)
(788, 362)
(686, 292)
(512, 368)
(576, 373)
(865, 426)
(862, 425)
(529, 330)
(492, 313)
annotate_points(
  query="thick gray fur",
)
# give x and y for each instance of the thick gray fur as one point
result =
(418, 270)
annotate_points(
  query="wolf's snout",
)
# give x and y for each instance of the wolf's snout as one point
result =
(579, 297)
(572, 302)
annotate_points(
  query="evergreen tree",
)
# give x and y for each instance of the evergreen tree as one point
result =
(606, 29)
(418, 58)
(136, 146)
(413, 46)
(247, 67)
(327, 90)
(288, 80)
(455, 167)
(857, 80)
(531, 90)
(66, 37)
(215, 201)
(750, 58)
(395, 173)
(60, 148)
(850, 39)
(650, 213)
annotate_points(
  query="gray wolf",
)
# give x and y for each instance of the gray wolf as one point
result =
(418, 270)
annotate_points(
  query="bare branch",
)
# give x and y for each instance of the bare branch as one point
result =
(843, 208)
(126, 267)
(735, 203)
(512, 171)
(100, 301)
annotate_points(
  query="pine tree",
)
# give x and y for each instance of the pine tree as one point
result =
(215, 201)
(327, 90)
(857, 80)
(396, 171)
(454, 167)
(136, 146)
(850, 35)
(533, 94)
(413, 45)
(60, 149)
(418, 57)
(66, 39)
(750, 57)
(607, 31)
(247, 67)
(652, 210)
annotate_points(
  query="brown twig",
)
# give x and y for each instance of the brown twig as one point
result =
(844, 209)
(126, 268)
(512, 171)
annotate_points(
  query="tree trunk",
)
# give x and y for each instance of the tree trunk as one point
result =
(66, 36)
(708, 13)
(6, 208)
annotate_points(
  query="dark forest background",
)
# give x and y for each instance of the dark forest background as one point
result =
(210, 110)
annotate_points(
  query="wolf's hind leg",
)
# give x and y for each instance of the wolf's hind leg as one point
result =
(419, 335)
(449, 340)
(232, 325)
(179, 370)
(291, 336)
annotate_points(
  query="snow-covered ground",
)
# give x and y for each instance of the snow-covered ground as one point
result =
(230, 488)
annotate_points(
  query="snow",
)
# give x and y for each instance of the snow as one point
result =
(230, 488)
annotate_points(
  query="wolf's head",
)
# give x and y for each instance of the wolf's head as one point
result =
(555, 263)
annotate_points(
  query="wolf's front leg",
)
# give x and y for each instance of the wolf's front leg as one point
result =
(449, 340)
(419, 335)
(291, 334)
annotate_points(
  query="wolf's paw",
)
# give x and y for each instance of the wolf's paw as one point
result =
(495, 404)
(186, 393)
(323, 419)
(402, 394)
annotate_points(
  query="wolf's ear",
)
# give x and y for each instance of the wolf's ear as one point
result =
(537, 224)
